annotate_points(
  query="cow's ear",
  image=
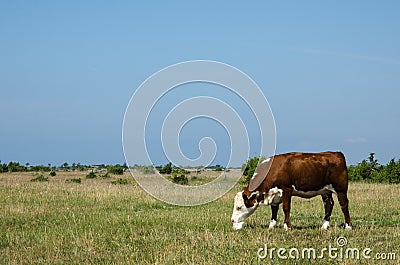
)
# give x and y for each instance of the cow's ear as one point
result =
(260, 174)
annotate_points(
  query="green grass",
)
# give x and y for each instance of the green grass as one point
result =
(99, 223)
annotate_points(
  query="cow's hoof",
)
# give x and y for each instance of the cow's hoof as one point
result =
(325, 225)
(272, 224)
(347, 226)
(286, 227)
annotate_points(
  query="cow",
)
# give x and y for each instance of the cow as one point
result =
(305, 175)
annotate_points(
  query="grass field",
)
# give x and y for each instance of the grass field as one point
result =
(97, 222)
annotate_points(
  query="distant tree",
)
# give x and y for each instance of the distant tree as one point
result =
(371, 171)
(373, 162)
(117, 169)
(365, 170)
(39, 168)
(216, 168)
(391, 172)
(167, 169)
(15, 167)
(3, 167)
(250, 166)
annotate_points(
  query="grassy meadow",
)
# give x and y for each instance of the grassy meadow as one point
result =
(109, 221)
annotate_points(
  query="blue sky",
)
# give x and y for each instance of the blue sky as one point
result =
(330, 71)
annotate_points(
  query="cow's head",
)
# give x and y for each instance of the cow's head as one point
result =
(244, 205)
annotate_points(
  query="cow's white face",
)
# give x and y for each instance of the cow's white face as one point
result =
(241, 211)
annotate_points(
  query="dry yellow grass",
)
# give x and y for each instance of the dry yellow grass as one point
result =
(96, 222)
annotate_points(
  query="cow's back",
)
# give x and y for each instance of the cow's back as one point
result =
(308, 171)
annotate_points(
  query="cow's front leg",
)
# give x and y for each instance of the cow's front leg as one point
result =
(328, 205)
(286, 200)
(274, 210)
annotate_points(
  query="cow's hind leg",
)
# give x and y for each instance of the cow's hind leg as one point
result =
(286, 200)
(344, 204)
(328, 205)
(274, 210)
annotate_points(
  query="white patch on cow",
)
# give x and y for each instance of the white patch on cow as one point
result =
(255, 174)
(266, 160)
(312, 193)
(240, 211)
(285, 227)
(325, 225)
(238, 226)
(347, 226)
(274, 197)
(272, 224)
(254, 193)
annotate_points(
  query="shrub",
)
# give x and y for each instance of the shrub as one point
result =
(167, 169)
(120, 181)
(75, 180)
(218, 168)
(91, 175)
(40, 178)
(180, 179)
(105, 176)
(147, 170)
(117, 170)
(52, 173)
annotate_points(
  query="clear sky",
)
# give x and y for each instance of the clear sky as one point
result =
(330, 71)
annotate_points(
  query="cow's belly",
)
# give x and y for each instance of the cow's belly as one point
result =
(309, 194)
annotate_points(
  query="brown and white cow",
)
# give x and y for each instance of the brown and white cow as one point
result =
(305, 175)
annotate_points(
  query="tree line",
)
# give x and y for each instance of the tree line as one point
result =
(368, 170)
(17, 167)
